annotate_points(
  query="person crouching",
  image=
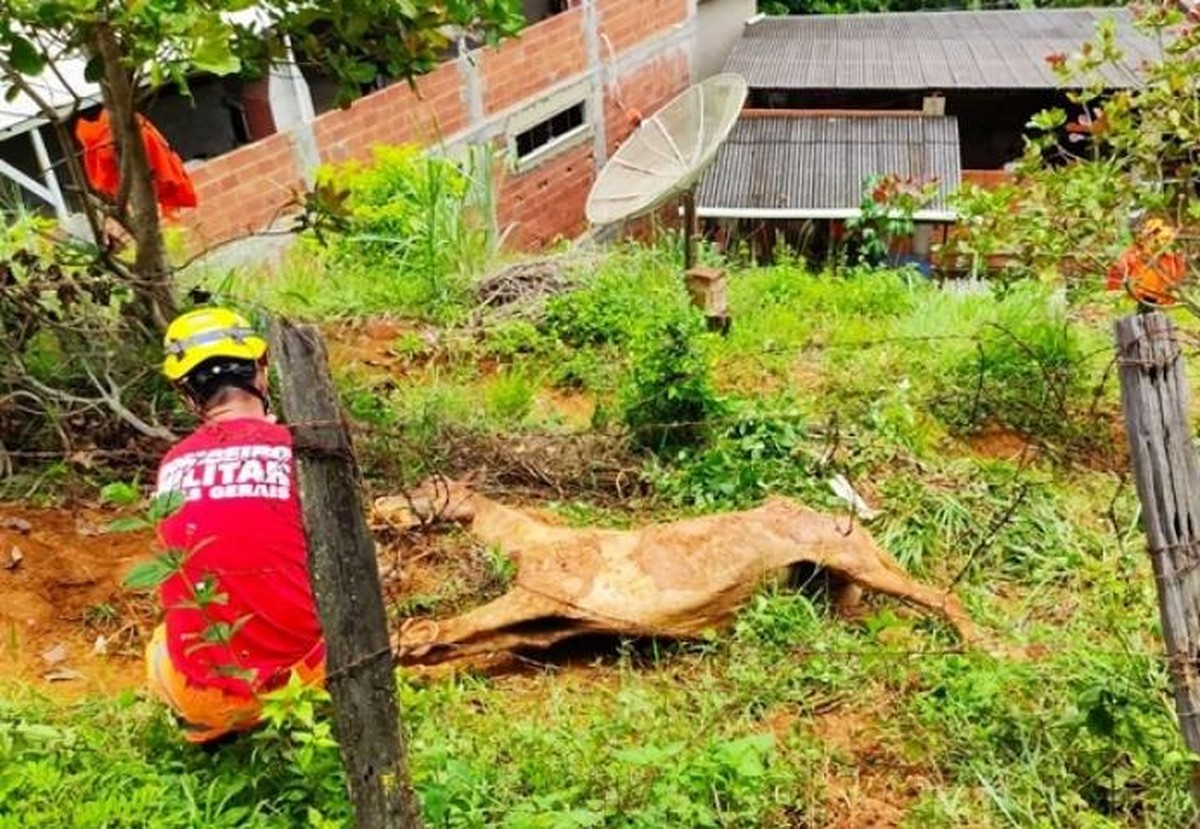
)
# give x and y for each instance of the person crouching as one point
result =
(238, 612)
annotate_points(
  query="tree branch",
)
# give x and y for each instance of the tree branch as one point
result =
(110, 398)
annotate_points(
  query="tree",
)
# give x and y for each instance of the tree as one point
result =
(135, 48)
(1088, 176)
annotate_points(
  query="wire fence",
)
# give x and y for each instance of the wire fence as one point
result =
(601, 455)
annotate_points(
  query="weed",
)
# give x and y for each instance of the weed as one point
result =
(584, 370)
(668, 398)
(509, 397)
(101, 616)
(502, 570)
(421, 604)
(760, 451)
(609, 306)
(516, 338)
(412, 229)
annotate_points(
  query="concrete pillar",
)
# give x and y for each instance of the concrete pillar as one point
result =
(288, 93)
(597, 76)
(292, 110)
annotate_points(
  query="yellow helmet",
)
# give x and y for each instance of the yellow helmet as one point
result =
(205, 333)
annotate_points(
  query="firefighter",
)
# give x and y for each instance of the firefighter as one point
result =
(238, 612)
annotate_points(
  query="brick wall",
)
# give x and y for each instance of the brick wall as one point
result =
(546, 202)
(544, 54)
(396, 115)
(627, 23)
(241, 191)
(645, 89)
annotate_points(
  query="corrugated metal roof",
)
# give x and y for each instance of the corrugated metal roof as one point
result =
(67, 89)
(815, 165)
(60, 90)
(928, 50)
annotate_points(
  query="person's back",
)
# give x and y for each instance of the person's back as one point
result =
(238, 611)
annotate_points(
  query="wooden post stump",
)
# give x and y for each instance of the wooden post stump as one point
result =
(1154, 398)
(706, 287)
(345, 577)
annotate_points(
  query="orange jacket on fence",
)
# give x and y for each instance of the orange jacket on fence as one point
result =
(173, 186)
(1148, 277)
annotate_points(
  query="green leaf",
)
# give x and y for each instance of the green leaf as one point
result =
(128, 524)
(24, 56)
(1048, 119)
(150, 574)
(93, 71)
(212, 53)
(120, 493)
(165, 505)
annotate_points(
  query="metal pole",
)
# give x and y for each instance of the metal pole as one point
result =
(689, 230)
(48, 174)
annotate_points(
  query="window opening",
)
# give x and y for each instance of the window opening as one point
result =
(537, 10)
(544, 132)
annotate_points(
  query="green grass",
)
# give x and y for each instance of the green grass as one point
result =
(795, 712)
(721, 734)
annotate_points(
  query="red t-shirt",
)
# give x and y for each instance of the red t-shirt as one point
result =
(240, 611)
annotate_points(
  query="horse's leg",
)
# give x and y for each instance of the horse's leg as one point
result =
(869, 566)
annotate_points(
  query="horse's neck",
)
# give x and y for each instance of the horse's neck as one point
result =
(495, 523)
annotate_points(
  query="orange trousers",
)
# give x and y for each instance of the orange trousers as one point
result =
(207, 713)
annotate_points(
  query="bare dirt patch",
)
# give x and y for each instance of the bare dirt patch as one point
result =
(574, 409)
(372, 345)
(868, 783)
(66, 624)
(998, 443)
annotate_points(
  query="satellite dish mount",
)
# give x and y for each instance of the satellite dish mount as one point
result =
(664, 158)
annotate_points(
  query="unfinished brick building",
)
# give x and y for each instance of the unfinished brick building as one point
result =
(556, 98)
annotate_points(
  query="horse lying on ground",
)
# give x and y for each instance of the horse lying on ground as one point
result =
(675, 579)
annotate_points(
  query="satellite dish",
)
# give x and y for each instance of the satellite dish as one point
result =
(668, 151)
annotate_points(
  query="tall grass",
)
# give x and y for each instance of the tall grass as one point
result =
(412, 230)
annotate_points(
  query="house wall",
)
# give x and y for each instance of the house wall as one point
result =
(396, 114)
(241, 192)
(719, 26)
(612, 55)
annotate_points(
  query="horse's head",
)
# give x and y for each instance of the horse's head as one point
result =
(434, 500)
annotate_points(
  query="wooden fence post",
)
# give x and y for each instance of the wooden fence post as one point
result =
(345, 576)
(1154, 398)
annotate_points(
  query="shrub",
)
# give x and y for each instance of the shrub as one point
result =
(410, 227)
(601, 313)
(509, 397)
(668, 398)
(76, 361)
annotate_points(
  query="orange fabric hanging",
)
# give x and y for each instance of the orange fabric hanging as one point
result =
(1149, 279)
(173, 186)
(1146, 269)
